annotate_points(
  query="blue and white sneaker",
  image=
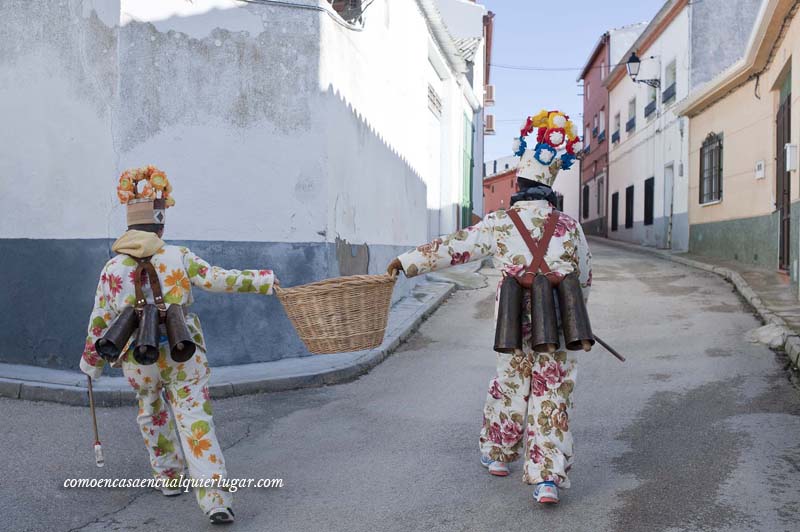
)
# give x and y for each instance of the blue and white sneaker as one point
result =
(545, 493)
(498, 469)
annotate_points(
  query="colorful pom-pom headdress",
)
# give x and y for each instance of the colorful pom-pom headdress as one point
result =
(147, 193)
(557, 146)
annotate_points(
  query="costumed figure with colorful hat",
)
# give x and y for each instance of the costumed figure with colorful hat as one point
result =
(544, 256)
(141, 322)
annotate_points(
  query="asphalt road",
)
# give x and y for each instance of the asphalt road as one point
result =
(699, 430)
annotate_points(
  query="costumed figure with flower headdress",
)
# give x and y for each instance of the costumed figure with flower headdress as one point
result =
(528, 405)
(144, 294)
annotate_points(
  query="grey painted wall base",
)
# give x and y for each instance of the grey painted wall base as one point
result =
(47, 306)
(596, 227)
(748, 240)
(42, 384)
(654, 235)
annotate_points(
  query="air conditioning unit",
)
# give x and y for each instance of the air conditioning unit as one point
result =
(488, 126)
(488, 95)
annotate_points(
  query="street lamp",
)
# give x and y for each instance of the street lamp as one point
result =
(633, 65)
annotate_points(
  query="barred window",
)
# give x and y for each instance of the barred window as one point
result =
(711, 169)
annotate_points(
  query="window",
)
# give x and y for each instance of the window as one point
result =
(617, 128)
(649, 190)
(711, 169)
(631, 123)
(600, 196)
(602, 121)
(629, 207)
(614, 211)
(595, 127)
(585, 202)
(670, 82)
(587, 90)
(602, 70)
(652, 96)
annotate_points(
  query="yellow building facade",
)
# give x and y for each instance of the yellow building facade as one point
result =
(743, 193)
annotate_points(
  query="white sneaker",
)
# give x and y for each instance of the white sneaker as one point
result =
(220, 516)
(546, 493)
(170, 492)
(498, 469)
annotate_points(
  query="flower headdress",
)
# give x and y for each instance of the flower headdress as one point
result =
(147, 193)
(146, 183)
(555, 133)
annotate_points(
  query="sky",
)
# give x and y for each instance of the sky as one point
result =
(564, 40)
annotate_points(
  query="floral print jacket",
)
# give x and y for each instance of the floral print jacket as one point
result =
(497, 236)
(178, 269)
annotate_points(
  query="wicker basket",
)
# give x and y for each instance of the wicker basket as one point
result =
(341, 314)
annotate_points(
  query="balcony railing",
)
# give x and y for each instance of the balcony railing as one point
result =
(594, 133)
(650, 109)
(630, 124)
(668, 94)
(615, 137)
(586, 150)
(601, 137)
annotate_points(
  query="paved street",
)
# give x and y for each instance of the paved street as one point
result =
(697, 431)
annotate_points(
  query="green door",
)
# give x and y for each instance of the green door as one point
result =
(466, 189)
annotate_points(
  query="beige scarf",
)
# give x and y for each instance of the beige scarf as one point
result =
(138, 244)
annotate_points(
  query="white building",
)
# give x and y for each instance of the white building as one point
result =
(648, 181)
(295, 140)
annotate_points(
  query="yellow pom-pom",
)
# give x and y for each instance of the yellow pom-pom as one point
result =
(557, 121)
(169, 202)
(540, 119)
(570, 130)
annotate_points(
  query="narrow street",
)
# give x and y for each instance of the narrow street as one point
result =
(697, 431)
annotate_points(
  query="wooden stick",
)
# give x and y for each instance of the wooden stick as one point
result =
(98, 447)
(609, 348)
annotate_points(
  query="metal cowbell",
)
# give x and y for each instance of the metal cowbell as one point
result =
(110, 346)
(574, 315)
(146, 350)
(508, 331)
(544, 323)
(181, 345)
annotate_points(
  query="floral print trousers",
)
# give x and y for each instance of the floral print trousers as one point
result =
(188, 439)
(528, 403)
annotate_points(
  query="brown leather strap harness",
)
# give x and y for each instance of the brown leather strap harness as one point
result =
(538, 250)
(146, 267)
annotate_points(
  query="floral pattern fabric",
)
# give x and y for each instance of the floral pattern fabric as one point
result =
(187, 439)
(529, 401)
(497, 236)
(178, 270)
(527, 411)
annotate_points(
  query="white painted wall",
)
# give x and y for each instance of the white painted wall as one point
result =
(274, 124)
(657, 141)
(567, 183)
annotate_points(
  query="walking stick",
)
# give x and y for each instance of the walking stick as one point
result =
(609, 348)
(98, 448)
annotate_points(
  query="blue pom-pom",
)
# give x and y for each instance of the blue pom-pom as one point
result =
(567, 160)
(522, 147)
(542, 147)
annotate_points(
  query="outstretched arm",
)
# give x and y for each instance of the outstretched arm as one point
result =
(216, 279)
(466, 245)
(103, 314)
